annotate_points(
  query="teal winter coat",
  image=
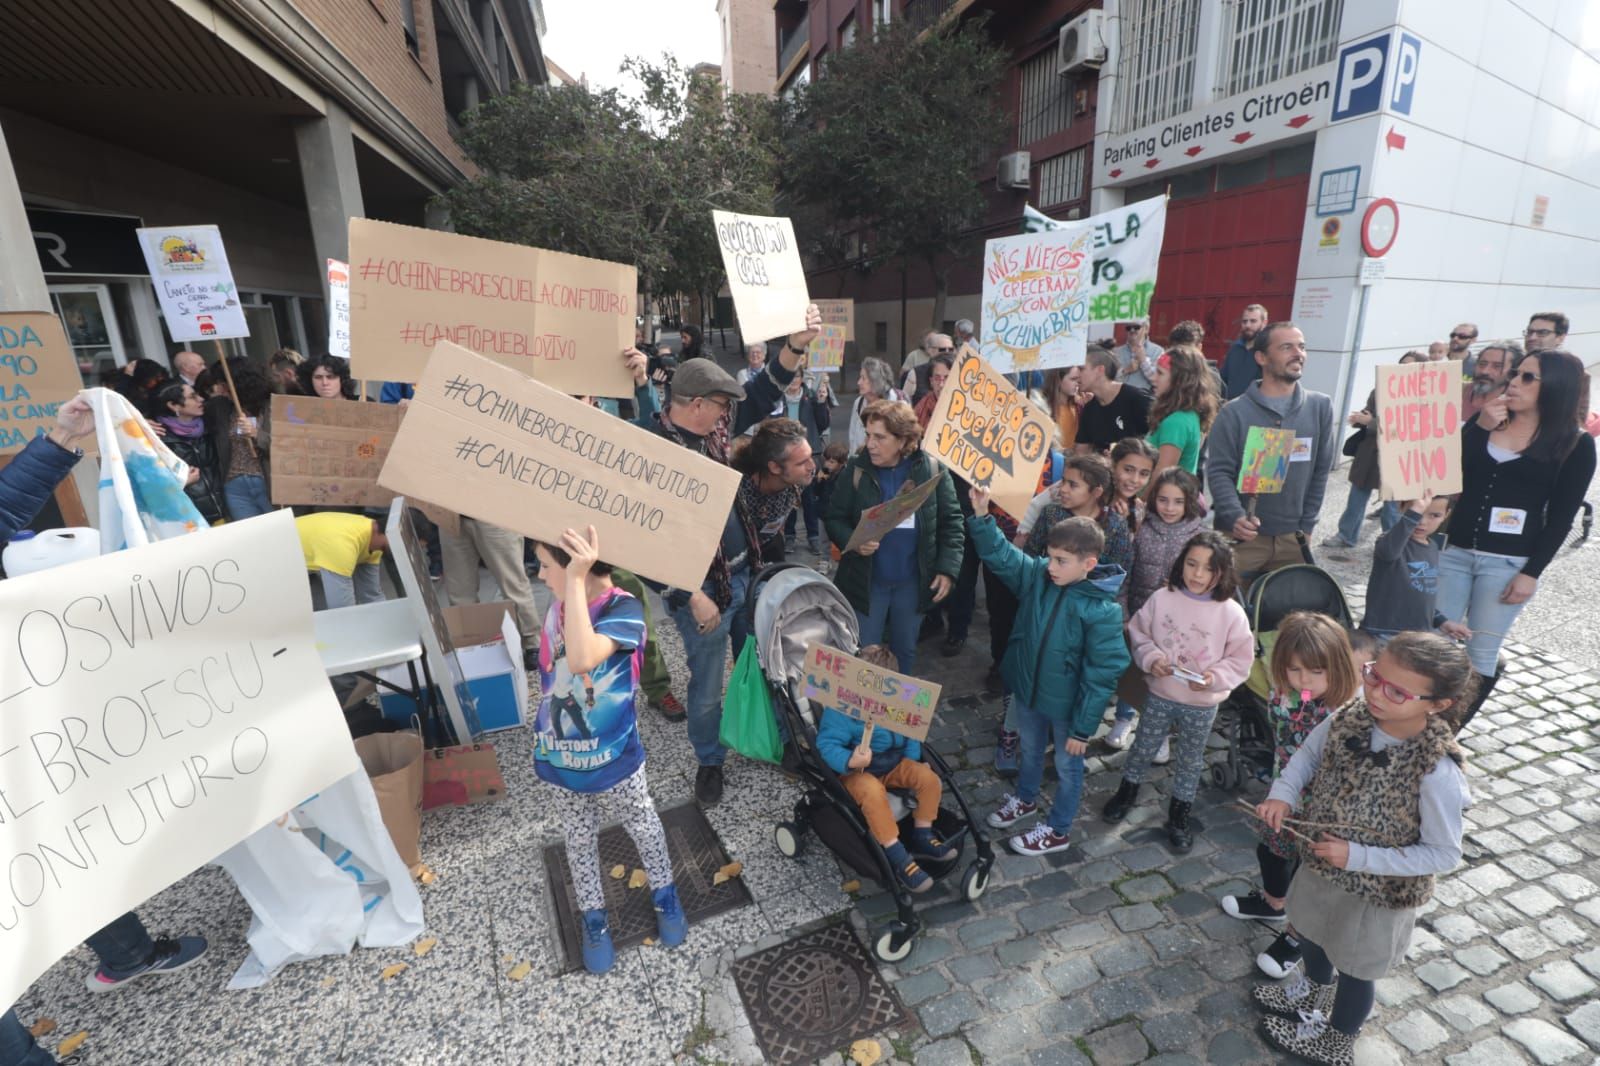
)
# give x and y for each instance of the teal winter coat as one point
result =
(940, 538)
(1067, 650)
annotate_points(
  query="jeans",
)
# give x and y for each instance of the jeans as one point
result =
(1035, 729)
(1125, 711)
(707, 654)
(1470, 584)
(364, 586)
(17, 1046)
(246, 497)
(1355, 512)
(121, 945)
(892, 617)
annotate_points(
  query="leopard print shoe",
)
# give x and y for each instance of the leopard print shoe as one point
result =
(1313, 1039)
(1292, 997)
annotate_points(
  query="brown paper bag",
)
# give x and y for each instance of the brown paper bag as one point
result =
(456, 777)
(394, 762)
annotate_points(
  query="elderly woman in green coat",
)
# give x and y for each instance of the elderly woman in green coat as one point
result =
(893, 581)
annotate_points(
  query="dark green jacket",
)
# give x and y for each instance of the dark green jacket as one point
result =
(1067, 650)
(940, 538)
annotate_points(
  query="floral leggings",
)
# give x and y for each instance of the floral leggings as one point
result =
(579, 813)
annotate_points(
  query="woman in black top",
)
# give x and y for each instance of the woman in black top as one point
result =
(1526, 468)
(184, 431)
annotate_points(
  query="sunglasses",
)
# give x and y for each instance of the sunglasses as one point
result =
(1391, 691)
(1463, 336)
(1527, 377)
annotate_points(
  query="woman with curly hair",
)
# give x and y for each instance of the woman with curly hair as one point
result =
(327, 377)
(1185, 405)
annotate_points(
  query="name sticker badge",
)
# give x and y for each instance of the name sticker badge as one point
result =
(1302, 450)
(909, 523)
(1507, 520)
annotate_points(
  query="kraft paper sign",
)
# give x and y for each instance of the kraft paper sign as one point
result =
(988, 433)
(826, 353)
(1036, 300)
(1419, 430)
(338, 309)
(157, 706)
(882, 698)
(487, 442)
(877, 521)
(764, 274)
(560, 318)
(1265, 465)
(189, 268)
(37, 375)
(840, 312)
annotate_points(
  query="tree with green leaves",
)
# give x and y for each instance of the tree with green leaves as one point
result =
(626, 178)
(886, 143)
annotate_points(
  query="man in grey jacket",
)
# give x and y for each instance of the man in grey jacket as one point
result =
(1276, 535)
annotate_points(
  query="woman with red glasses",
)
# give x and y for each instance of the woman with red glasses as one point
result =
(1526, 468)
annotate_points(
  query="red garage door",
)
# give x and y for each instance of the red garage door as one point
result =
(1227, 249)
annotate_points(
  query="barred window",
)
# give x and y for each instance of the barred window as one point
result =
(1271, 39)
(1061, 178)
(1046, 102)
(1155, 61)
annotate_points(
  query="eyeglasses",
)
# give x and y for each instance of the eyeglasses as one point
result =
(724, 402)
(1369, 673)
(937, 351)
(1530, 332)
(1463, 336)
(1527, 377)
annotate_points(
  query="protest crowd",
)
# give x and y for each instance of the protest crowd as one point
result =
(1123, 567)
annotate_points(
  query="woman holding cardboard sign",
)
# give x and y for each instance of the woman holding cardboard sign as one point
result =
(1525, 469)
(893, 581)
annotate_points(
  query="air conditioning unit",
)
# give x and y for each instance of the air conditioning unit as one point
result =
(1015, 171)
(1082, 44)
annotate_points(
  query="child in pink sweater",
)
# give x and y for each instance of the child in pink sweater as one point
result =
(1193, 642)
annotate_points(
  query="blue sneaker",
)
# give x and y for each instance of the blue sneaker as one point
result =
(598, 952)
(670, 920)
(168, 956)
(906, 869)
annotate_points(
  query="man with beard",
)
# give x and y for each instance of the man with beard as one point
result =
(1488, 377)
(1546, 330)
(1275, 535)
(1239, 368)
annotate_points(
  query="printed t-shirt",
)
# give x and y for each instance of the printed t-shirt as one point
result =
(586, 737)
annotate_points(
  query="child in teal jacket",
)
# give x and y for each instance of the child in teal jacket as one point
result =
(1062, 664)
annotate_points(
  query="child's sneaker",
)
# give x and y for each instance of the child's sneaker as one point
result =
(169, 955)
(1121, 734)
(925, 843)
(1012, 811)
(598, 952)
(1302, 995)
(914, 877)
(1281, 958)
(1164, 754)
(1313, 1039)
(1005, 753)
(670, 920)
(1040, 840)
(1254, 905)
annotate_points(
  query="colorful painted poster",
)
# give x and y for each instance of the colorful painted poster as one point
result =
(338, 309)
(1036, 300)
(189, 268)
(882, 698)
(764, 274)
(826, 353)
(987, 432)
(37, 375)
(840, 312)
(1419, 430)
(1265, 466)
(878, 520)
(1127, 248)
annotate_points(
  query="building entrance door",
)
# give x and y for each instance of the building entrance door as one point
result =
(91, 324)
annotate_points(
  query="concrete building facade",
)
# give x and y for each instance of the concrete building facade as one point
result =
(747, 40)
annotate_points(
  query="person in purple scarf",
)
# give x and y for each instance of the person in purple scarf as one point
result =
(182, 418)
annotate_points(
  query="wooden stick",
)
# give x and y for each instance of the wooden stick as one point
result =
(1288, 822)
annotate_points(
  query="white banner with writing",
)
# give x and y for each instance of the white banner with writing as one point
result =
(1126, 250)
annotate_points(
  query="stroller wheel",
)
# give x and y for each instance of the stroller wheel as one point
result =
(789, 839)
(893, 943)
(974, 882)
(1222, 776)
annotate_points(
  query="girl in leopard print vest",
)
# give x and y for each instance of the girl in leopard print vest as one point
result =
(1374, 799)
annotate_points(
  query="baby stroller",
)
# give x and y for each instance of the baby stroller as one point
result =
(1242, 720)
(793, 607)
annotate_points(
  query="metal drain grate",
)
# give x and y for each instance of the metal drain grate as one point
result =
(697, 855)
(814, 995)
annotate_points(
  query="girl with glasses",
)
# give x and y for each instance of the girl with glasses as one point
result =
(1373, 799)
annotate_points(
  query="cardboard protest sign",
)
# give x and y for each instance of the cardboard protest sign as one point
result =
(877, 521)
(1127, 248)
(989, 433)
(160, 705)
(764, 274)
(826, 353)
(560, 318)
(487, 442)
(338, 309)
(37, 375)
(840, 312)
(1419, 430)
(1036, 300)
(881, 698)
(1265, 465)
(189, 268)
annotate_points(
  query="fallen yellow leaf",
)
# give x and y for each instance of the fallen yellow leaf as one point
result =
(421, 872)
(520, 970)
(618, 872)
(851, 885)
(639, 879)
(71, 1043)
(508, 958)
(649, 941)
(391, 972)
(865, 1052)
(728, 872)
(43, 1027)
(425, 945)
(329, 982)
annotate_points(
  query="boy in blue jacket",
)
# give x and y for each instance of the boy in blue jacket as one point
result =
(1061, 665)
(871, 761)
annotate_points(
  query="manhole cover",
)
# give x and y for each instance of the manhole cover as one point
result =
(815, 994)
(697, 855)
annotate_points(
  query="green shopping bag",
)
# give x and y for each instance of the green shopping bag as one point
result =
(747, 723)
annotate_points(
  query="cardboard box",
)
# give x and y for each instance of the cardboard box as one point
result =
(489, 648)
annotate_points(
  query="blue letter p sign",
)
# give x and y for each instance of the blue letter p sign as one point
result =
(1405, 74)
(1359, 89)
